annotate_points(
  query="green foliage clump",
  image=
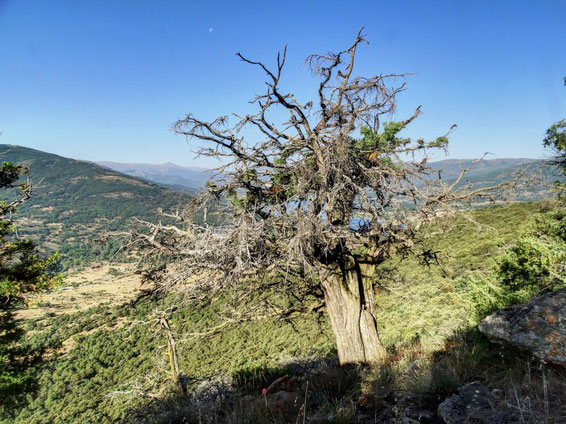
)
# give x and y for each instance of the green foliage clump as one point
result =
(375, 147)
(535, 263)
(386, 140)
(555, 139)
(22, 270)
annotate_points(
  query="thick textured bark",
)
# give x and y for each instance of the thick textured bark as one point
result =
(350, 304)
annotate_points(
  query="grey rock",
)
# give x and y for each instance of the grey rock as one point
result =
(472, 405)
(475, 404)
(419, 414)
(214, 388)
(538, 327)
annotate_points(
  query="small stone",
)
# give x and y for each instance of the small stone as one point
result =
(498, 394)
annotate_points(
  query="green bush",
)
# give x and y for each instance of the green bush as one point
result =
(535, 263)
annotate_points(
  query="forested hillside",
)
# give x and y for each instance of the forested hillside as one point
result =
(75, 201)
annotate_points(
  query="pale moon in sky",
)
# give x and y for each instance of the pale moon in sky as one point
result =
(210, 29)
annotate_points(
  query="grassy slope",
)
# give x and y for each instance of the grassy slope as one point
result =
(432, 302)
(75, 201)
(76, 385)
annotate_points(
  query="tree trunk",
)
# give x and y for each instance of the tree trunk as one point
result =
(172, 353)
(350, 304)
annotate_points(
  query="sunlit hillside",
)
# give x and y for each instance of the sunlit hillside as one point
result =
(75, 201)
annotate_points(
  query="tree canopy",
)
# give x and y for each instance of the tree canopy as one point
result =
(555, 139)
(22, 268)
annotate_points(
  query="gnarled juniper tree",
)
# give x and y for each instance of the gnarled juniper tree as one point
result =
(332, 191)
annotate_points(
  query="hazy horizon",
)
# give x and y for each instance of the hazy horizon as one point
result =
(488, 157)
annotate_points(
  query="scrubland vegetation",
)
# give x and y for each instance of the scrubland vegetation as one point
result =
(109, 364)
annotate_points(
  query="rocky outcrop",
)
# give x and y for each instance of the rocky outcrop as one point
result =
(473, 404)
(538, 327)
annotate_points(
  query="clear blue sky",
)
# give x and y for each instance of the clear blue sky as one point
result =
(104, 80)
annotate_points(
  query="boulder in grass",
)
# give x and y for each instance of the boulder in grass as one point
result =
(538, 327)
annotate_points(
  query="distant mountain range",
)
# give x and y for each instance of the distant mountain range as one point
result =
(484, 170)
(539, 174)
(488, 171)
(174, 176)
